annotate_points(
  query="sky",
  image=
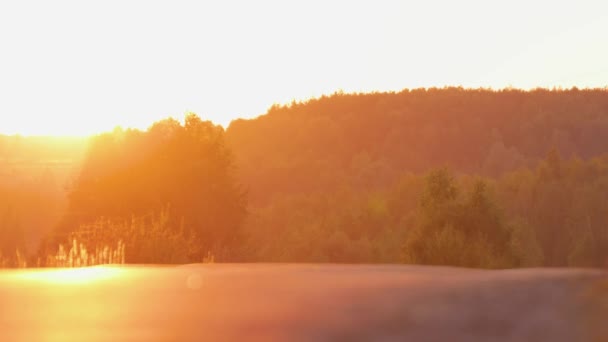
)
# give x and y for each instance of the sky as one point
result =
(83, 67)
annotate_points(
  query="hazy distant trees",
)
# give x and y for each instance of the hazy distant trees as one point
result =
(524, 218)
(466, 177)
(33, 175)
(351, 171)
(336, 140)
(564, 202)
(12, 239)
(30, 204)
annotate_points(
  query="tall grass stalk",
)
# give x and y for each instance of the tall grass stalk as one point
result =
(78, 255)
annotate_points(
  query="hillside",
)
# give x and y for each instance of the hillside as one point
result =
(368, 140)
(466, 177)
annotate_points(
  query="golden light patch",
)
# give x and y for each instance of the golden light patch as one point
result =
(72, 276)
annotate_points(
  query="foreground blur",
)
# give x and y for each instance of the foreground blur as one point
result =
(300, 302)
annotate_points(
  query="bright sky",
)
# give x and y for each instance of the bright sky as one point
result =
(80, 67)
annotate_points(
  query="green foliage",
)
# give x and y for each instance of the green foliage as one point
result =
(450, 231)
(524, 244)
(449, 246)
(342, 178)
(589, 249)
(517, 220)
(528, 208)
(367, 141)
(563, 205)
(440, 191)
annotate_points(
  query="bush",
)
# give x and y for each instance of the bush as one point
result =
(151, 239)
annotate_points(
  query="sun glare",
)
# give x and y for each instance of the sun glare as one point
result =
(63, 129)
(84, 275)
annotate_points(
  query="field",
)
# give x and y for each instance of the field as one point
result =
(301, 302)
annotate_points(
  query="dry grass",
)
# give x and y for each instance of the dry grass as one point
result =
(150, 239)
(79, 256)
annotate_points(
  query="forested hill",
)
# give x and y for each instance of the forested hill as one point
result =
(473, 178)
(368, 140)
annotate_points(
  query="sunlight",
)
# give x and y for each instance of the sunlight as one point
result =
(186, 64)
(72, 276)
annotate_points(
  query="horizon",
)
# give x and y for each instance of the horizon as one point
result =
(225, 126)
(70, 68)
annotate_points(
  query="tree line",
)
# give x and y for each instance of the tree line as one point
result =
(451, 176)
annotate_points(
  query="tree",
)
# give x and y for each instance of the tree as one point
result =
(185, 167)
(450, 231)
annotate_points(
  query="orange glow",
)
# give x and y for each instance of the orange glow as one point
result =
(71, 276)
